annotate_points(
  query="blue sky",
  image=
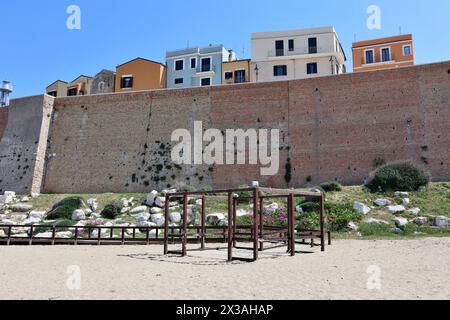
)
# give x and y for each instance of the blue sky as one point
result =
(39, 48)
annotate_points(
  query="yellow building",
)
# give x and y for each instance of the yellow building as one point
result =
(57, 89)
(140, 74)
(81, 86)
(237, 71)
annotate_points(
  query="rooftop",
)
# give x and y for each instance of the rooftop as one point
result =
(195, 50)
(405, 37)
(292, 33)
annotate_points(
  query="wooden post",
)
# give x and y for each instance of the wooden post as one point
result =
(230, 226)
(99, 236)
(123, 235)
(234, 221)
(291, 218)
(322, 222)
(203, 222)
(111, 233)
(185, 225)
(8, 242)
(53, 235)
(31, 235)
(147, 235)
(261, 223)
(166, 225)
(289, 233)
(76, 235)
(255, 223)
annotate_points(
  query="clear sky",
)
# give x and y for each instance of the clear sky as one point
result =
(37, 47)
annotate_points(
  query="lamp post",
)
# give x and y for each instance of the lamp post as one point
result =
(256, 72)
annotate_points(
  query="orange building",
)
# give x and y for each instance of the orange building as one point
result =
(385, 53)
(140, 74)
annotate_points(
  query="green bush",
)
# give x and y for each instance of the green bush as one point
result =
(310, 206)
(112, 210)
(64, 208)
(367, 229)
(331, 187)
(402, 176)
(337, 216)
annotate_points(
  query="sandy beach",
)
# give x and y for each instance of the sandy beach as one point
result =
(409, 269)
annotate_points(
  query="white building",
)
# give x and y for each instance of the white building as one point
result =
(296, 54)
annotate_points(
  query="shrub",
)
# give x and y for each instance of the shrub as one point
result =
(375, 229)
(337, 216)
(64, 208)
(112, 210)
(331, 186)
(403, 176)
(310, 206)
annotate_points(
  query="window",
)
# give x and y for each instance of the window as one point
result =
(101, 86)
(311, 68)
(72, 92)
(206, 64)
(312, 45)
(337, 69)
(239, 76)
(369, 57)
(228, 75)
(52, 93)
(279, 71)
(179, 65)
(206, 82)
(179, 80)
(385, 54)
(127, 82)
(279, 48)
(291, 45)
(407, 50)
(193, 63)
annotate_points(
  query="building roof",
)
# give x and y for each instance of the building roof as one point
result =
(292, 33)
(104, 70)
(239, 60)
(56, 82)
(365, 43)
(195, 50)
(139, 58)
(80, 76)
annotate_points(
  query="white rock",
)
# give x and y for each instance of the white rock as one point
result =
(441, 221)
(272, 208)
(24, 199)
(242, 213)
(2, 233)
(401, 222)
(352, 226)
(223, 223)
(95, 215)
(21, 207)
(175, 217)
(147, 224)
(382, 202)
(151, 197)
(420, 221)
(92, 203)
(199, 202)
(125, 203)
(9, 193)
(414, 211)
(7, 222)
(143, 216)
(215, 218)
(376, 221)
(94, 233)
(406, 201)
(299, 209)
(361, 208)
(30, 221)
(160, 202)
(125, 210)
(64, 234)
(158, 219)
(156, 210)
(45, 235)
(400, 194)
(78, 215)
(37, 214)
(35, 195)
(396, 209)
(139, 210)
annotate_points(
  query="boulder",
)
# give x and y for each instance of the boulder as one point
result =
(160, 202)
(352, 226)
(271, 208)
(175, 217)
(142, 217)
(151, 197)
(25, 199)
(64, 234)
(21, 207)
(406, 201)
(37, 214)
(242, 213)
(93, 204)
(382, 202)
(376, 221)
(125, 203)
(223, 223)
(31, 221)
(2, 233)
(299, 209)
(361, 208)
(147, 224)
(9, 193)
(441, 222)
(34, 195)
(45, 235)
(139, 210)
(78, 215)
(414, 211)
(7, 222)
(401, 222)
(420, 221)
(156, 210)
(396, 209)
(401, 194)
(215, 218)
(158, 219)
(125, 210)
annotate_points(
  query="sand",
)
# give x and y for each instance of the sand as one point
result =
(409, 269)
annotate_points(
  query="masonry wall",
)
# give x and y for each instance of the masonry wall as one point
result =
(23, 144)
(332, 128)
(3, 120)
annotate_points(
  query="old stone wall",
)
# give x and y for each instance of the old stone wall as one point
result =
(3, 120)
(23, 144)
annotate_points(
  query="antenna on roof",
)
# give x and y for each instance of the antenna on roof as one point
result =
(400, 30)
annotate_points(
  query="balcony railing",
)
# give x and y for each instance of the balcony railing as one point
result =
(209, 68)
(298, 51)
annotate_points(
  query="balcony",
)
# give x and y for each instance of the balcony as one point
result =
(377, 61)
(298, 51)
(205, 70)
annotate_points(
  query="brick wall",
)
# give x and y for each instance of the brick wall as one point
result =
(332, 128)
